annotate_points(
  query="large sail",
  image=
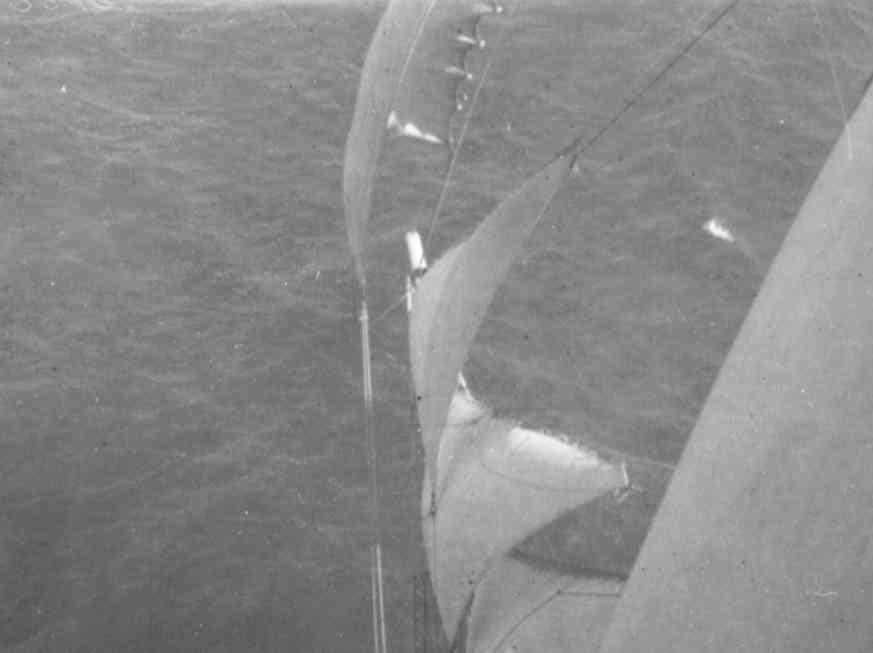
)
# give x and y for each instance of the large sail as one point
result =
(410, 84)
(522, 605)
(452, 297)
(489, 482)
(501, 483)
(764, 541)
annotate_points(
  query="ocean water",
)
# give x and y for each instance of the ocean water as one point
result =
(181, 456)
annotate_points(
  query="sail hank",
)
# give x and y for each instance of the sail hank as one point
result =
(763, 541)
(408, 86)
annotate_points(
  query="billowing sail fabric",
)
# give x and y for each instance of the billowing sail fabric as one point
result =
(524, 606)
(412, 83)
(605, 534)
(489, 482)
(497, 483)
(451, 299)
(764, 541)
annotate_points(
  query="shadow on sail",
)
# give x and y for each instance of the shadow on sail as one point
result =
(523, 605)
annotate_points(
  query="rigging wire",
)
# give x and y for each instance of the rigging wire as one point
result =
(575, 149)
(456, 151)
(378, 602)
(400, 299)
(456, 148)
(580, 145)
(837, 90)
(376, 577)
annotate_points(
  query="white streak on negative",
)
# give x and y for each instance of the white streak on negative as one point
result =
(411, 130)
(718, 229)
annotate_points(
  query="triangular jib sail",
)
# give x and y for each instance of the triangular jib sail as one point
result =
(452, 298)
(489, 483)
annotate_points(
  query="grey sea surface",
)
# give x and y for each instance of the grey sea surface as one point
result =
(182, 465)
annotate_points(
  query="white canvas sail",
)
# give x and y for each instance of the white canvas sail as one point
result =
(764, 541)
(489, 482)
(409, 85)
(523, 605)
(503, 483)
(451, 299)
